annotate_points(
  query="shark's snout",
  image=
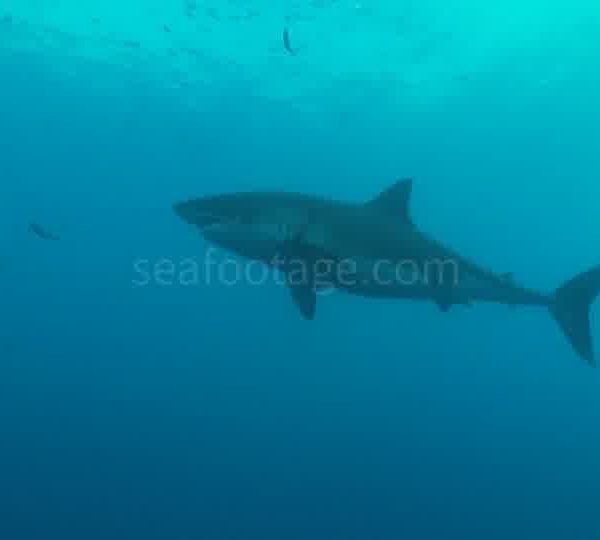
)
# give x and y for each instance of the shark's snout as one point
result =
(192, 212)
(184, 210)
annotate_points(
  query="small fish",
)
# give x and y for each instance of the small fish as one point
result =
(167, 28)
(40, 232)
(286, 42)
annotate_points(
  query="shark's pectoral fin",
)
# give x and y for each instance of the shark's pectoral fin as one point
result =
(394, 201)
(299, 264)
(304, 296)
(301, 282)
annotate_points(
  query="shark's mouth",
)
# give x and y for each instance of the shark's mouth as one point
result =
(205, 221)
(210, 222)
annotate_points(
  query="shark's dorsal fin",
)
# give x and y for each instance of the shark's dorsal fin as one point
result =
(395, 200)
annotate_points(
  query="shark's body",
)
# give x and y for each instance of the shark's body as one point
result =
(372, 250)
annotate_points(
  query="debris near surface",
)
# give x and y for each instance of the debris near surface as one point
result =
(287, 43)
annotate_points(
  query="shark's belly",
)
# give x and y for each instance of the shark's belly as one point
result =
(247, 243)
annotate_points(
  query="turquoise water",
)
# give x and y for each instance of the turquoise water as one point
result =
(215, 412)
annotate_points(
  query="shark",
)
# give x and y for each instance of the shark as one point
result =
(374, 249)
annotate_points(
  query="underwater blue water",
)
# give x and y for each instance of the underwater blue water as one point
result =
(214, 412)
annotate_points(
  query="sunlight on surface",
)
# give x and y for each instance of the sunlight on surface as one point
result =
(403, 52)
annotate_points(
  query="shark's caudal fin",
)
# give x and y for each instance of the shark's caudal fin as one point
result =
(571, 309)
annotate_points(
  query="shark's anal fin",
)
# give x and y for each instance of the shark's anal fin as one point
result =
(443, 289)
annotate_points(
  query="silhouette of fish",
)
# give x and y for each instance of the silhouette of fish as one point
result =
(41, 232)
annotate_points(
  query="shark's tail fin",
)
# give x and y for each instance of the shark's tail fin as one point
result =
(571, 309)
